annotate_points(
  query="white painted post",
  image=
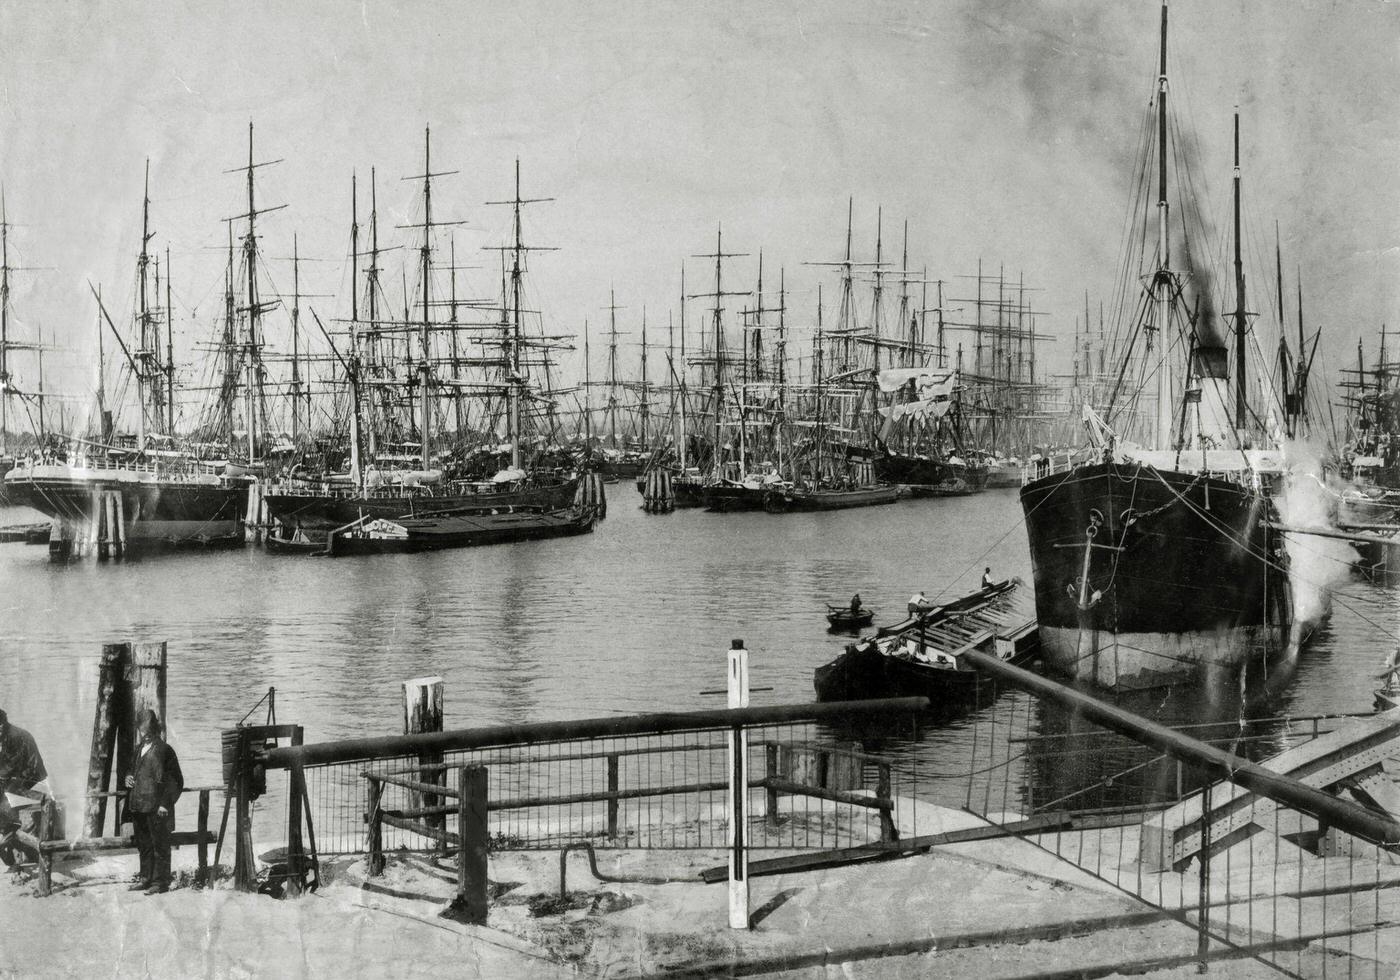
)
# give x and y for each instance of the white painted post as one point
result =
(738, 791)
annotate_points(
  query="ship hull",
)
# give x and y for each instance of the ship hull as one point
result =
(155, 512)
(725, 497)
(317, 512)
(784, 501)
(461, 531)
(1175, 583)
(927, 477)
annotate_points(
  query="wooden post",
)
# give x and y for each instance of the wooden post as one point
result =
(244, 870)
(738, 791)
(883, 789)
(471, 902)
(295, 854)
(376, 829)
(44, 861)
(422, 712)
(106, 720)
(202, 827)
(146, 676)
(612, 801)
(120, 508)
(770, 769)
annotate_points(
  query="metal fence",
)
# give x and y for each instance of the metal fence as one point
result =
(1253, 877)
(655, 781)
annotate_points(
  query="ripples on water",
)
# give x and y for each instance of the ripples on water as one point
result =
(634, 618)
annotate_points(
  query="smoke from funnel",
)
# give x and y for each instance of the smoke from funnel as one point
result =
(1316, 564)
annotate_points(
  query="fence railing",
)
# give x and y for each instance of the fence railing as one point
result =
(1251, 858)
(644, 781)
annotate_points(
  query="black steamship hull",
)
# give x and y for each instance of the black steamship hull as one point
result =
(1176, 582)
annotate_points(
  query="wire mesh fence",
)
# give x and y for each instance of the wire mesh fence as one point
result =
(1254, 878)
(808, 790)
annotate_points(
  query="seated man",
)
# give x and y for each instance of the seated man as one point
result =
(22, 774)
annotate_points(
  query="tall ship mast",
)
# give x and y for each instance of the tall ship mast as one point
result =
(512, 388)
(144, 492)
(1159, 563)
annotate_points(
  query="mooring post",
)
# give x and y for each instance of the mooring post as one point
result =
(738, 790)
(120, 509)
(472, 887)
(376, 829)
(201, 876)
(295, 854)
(422, 712)
(612, 798)
(104, 736)
(884, 790)
(147, 678)
(244, 871)
(45, 862)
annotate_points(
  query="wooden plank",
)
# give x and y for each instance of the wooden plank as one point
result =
(1174, 835)
(835, 796)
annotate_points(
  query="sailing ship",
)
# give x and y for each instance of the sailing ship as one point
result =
(931, 460)
(152, 494)
(504, 479)
(1153, 565)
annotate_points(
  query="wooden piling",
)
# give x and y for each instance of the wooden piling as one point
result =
(295, 853)
(883, 788)
(44, 861)
(422, 712)
(147, 679)
(245, 877)
(106, 722)
(119, 507)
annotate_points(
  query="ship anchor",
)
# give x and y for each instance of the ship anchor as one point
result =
(1084, 598)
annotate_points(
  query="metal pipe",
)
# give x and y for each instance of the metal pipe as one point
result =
(347, 750)
(1349, 817)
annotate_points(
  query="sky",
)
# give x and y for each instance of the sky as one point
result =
(1000, 130)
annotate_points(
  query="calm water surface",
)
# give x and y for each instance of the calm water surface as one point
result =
(636, 617)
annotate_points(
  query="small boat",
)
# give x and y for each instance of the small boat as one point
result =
(846, 618)
(293, 541)
(379, 536)
(923, 654)
(23, 532)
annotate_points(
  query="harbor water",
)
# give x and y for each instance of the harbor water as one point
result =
(634, 618)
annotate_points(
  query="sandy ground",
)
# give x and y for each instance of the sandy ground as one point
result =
(998, 908)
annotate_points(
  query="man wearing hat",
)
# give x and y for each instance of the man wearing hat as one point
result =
(155, 784)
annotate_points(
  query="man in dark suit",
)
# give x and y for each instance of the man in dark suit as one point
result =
(155, 784)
